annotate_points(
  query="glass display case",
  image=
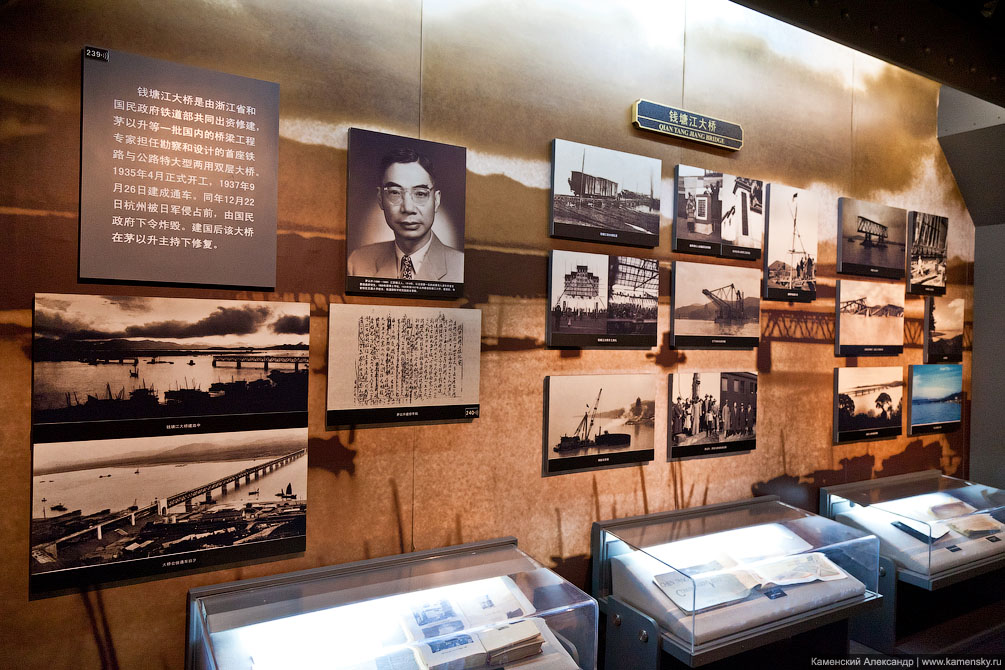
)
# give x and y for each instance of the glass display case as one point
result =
(721, 579)
(933, 527)
(480, 605)
(935, 532)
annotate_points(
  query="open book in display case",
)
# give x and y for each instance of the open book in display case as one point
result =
(731, 579)
(935, 532)
(473, 606)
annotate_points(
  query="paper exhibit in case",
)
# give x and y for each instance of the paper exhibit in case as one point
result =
(393, 364)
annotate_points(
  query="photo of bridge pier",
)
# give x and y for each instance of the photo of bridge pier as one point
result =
(872, 239)
(870, 318)
(124, 366)
(603, 195)
(868, 403)
(714, 306)
(115, 509)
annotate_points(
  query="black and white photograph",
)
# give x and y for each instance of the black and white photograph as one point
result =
(712, 413)
(602, 301)
(790, 244)
(936, 399)
(869, 318)
(718, 214)
(603, 195)
(597, 421)
(872, 239)
(944, 329)
(129, 366)
(927, 254)
(107, 510)
(714, 306)
(395, 364)
(404, 216)
(868, 403)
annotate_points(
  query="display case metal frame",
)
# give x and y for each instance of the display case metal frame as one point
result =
(634, 639)
(878, 629)
(193, 646)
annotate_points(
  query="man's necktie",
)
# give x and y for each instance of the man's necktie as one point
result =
(407, 270)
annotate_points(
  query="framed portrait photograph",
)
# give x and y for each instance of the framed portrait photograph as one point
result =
(714, 306)
(597, 421)
(110, 510)
(603, 195)
(927, 253)
(718, 214)
(872, 239)
(404, 216)
(602, 301)
(944, 329)
(109, 367)
(936, 399)
(790, 244)
(392, 364)
(869, 318)
(868, 403)
(712, 413)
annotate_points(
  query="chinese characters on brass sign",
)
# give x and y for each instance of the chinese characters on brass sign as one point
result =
(178, 173)
(686, 125)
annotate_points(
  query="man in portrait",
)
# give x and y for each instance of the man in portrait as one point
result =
(409, 198)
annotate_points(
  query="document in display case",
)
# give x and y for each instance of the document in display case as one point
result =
(933, 527)
(480, 605)
(722, 579)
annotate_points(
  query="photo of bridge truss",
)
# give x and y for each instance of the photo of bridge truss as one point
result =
(790, 244)
(872, 239)
(714, 306)
(868, 403)
(603, 195)
(928, 254)
(602, 301)
(718, 214)
(107, 510)
(130, 366)
(869, 318)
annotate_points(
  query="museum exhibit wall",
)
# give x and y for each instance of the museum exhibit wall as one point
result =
(503, 80)
(987, 455)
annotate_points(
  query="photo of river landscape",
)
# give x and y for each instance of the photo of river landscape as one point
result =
(104, 358)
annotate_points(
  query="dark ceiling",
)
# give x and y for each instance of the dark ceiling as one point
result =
(958, 43)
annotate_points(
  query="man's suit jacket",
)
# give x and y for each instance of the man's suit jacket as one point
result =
(442, 263)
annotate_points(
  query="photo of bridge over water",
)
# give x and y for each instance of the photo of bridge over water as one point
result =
(872, 239)
(115, 509)
(868, 403)
(121, 366)
(870, 318)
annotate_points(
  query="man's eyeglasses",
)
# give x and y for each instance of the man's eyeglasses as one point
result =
(419, 194)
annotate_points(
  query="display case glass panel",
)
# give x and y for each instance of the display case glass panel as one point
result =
(487, 605)
(927, 523)
(711, 575)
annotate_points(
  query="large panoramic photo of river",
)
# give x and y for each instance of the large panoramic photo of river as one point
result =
(104, 502)
(111, 366)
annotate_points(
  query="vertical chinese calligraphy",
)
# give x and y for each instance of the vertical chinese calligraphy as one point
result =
(178, 178)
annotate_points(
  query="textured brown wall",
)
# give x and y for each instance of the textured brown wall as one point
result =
(503, 79)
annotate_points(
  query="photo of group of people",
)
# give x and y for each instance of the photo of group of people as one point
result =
(712, 413)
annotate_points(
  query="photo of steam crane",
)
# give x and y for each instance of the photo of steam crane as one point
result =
(715, 306)
(870, 318)
(872, 240)
(790, 258)
(613, 418)
(602, 301)
(928, 254)
(604, 195)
